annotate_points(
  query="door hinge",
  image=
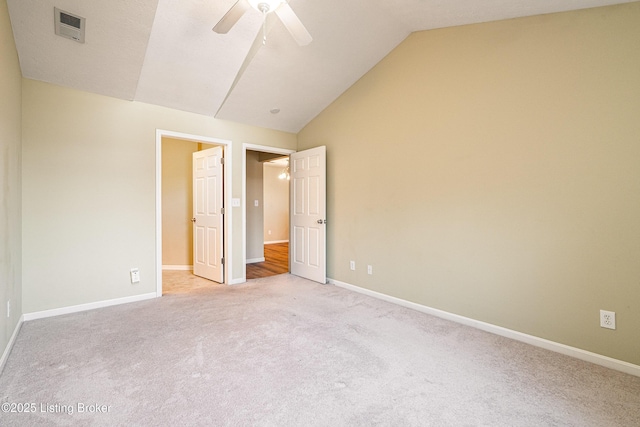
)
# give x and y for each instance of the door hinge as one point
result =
(222, 160)
(222, 261)
(222, 211)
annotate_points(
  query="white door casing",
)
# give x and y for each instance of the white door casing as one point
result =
(208, 216)
(307, 238)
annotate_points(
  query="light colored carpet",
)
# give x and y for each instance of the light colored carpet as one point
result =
(282, 351)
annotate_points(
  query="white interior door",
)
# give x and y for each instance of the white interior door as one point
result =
(208, 217)
(308, 214)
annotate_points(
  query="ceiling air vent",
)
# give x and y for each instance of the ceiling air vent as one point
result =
(69, 25)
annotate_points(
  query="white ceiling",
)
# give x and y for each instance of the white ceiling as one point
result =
(163, 52)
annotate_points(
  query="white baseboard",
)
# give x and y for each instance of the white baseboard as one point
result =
(254, 260)
(88, 306)
(273, 242)
(587, 356)
(178, 267)
(12, 340)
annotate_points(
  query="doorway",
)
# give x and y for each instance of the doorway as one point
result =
(180, 238)
(266, 213)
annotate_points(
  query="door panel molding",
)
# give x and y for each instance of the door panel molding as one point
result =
(308, 213)
(207, 172)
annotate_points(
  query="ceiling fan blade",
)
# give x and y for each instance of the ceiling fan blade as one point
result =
(231, 17)
(293, 24)
(255, 47)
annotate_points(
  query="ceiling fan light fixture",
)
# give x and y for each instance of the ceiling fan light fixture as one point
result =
(266, 6)
(285, 174)
(286, 15)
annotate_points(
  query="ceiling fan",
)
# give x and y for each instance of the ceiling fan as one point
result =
(284, 12)
(280, 7)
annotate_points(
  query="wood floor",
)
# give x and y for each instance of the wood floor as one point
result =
(276, 257)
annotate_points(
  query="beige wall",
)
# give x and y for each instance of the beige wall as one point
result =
(493, 171)
(10, 186)
(177, 202)
(276, 204)
(89, 192)
(255, 214)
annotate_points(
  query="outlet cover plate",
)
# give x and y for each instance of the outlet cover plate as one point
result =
(607, 319)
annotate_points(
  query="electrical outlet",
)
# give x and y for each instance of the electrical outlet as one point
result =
(369, 269)
(607, 319)
(135, 275)
(352, 265)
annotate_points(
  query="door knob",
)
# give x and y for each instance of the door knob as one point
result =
(320, 221)
(193, 220)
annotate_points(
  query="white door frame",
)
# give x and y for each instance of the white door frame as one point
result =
(264, 149)
(226, 144)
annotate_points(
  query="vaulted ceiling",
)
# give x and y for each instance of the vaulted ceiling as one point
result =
(164, 52)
